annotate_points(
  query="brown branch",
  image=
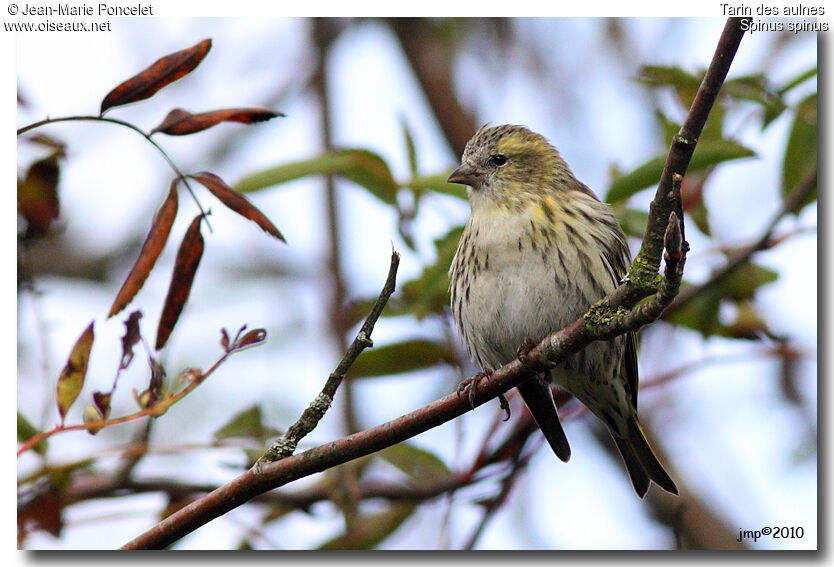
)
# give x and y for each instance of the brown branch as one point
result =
(490, 506)
(430, 56)
(180, 175)
(96, 485)
(605, 320)
(643, 273)
(742, 256)
(287, 443)
(325, 31)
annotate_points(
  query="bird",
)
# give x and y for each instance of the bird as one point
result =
(539, 248)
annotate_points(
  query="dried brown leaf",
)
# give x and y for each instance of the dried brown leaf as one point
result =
(37, 195)
(151, 249)
(253, 337)
(163, 72)
(43, 512)
(49, 142)
(236, 202)
(130, 338)
(185, 267)
(158, 375)
(101, 402)
(72, 376)
(180, 122)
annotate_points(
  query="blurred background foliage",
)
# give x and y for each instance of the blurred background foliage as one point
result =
(729, 374)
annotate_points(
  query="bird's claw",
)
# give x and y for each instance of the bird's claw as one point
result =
(523, 352)
(505, 405)
(471, 387)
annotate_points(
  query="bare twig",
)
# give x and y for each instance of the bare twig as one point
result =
(180, 175)
(519, 463)
(740, 257)
(192, 376)
(287, 443)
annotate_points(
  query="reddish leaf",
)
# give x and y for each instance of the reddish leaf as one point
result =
(158, 375)
(130, 338)
(180, 122)
(37, 195)
(163, 72)
(52, 143)
(151, 249)
(185, 267)
(253, 337)
(101, 402)
(236, 202)
(42, 512)
(72, 376)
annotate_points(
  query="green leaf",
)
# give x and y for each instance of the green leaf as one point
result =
(409, 145)
(429, 293)
(247, 423)
(708, 152)
(421, 466)
(748, 324)
(698, 214)
(72, 376)
(364, 168)
(25, 431)
(714, 126)
(668, 126)
(401, 357)
(633, 221)
(700, 313)
(739, 286)
(801, 152)
(742, 283)
(436, 183)
(756, 89)
(369, 531)
(798, 80)
(685, 84)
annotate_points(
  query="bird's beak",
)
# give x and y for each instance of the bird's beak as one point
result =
(465, 174)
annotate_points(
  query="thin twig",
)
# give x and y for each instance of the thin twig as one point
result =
(519, 463)
(193, 378)
(133, 127)
(287, 443)
(643, 274)
(742, 256)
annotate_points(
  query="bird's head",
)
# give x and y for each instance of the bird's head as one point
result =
(506, 165)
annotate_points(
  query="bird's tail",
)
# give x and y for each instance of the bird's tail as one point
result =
(539, 400)
(640, 460)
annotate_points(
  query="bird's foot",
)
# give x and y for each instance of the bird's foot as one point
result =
(523, 352)
(470, 386)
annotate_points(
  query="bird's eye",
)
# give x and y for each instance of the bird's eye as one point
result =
(497, 160)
